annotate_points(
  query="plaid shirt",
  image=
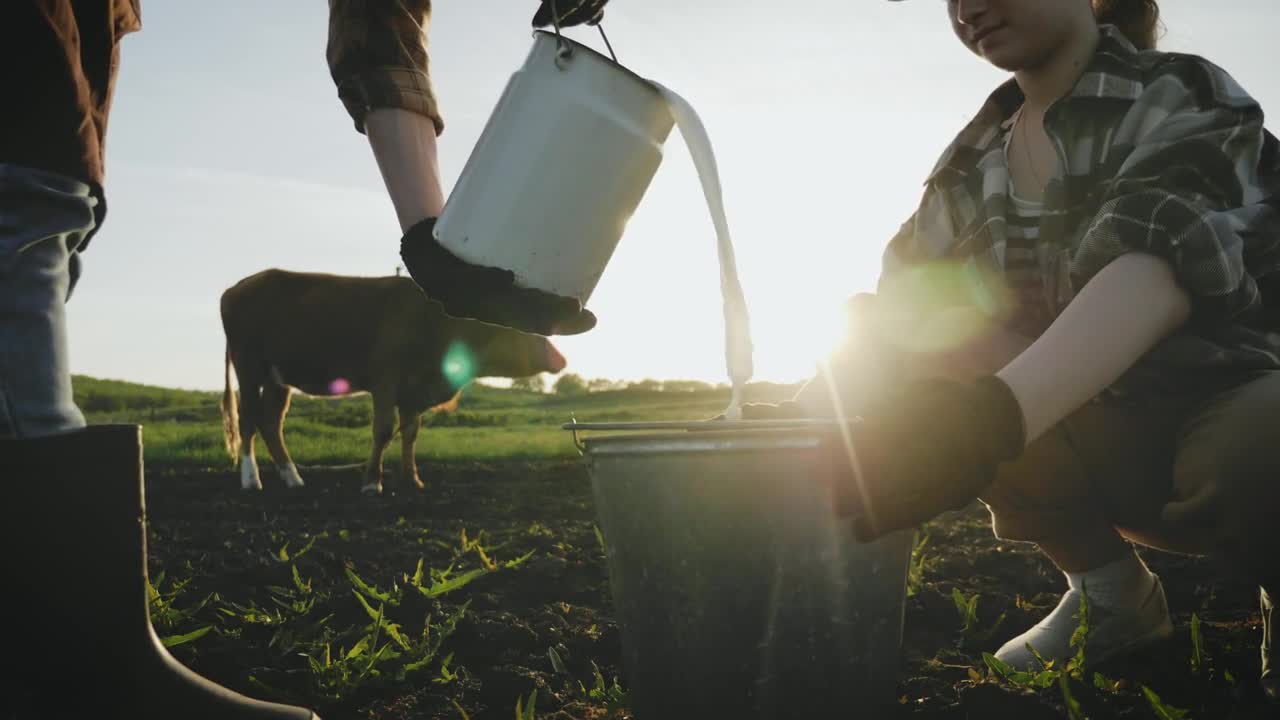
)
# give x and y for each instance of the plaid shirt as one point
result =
(1159, 153)
(377, 55)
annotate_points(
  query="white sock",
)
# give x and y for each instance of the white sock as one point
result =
(1123, 583)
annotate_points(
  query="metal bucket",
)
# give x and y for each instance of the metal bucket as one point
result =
(738, 591)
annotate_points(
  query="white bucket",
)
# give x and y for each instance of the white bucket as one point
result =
(560, 167)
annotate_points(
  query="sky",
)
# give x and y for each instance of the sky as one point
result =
(229, 152)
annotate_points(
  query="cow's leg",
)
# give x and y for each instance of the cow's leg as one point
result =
(410, 421)
(250, 419)
(384, 422)
(275, 405)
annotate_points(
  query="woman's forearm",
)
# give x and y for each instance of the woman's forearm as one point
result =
(404, 145)
(1128, 307)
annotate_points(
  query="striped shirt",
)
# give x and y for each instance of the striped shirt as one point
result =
(1030, 314)
(1160, 153)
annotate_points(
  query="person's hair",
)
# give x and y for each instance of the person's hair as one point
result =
(1139, 20)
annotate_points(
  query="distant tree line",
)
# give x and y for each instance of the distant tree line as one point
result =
(574, 384)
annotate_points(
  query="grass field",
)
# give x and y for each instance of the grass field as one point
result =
(183, 427)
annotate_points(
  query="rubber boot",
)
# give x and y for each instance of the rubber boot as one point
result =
(1270, 679)
(75, 612)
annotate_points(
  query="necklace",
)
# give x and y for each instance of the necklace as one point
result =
(1026, 150)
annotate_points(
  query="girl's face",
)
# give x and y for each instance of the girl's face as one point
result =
(1018, 34)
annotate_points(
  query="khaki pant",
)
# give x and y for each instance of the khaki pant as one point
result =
(1196, 475)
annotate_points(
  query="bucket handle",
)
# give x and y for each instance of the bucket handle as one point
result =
(564, 53)
(577, 441)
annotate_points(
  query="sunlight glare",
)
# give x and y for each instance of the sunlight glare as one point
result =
(940, 307)
(459, 365)
(792, 338)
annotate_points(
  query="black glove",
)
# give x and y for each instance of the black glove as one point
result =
(570, 12)
(931, 447)
(484, 293)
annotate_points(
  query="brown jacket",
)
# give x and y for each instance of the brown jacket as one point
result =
(58, 63)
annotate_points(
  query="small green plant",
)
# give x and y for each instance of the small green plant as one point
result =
(967, 607)
(382, 653)
(920, 564)
(175, 640)
(1106, 684)
(168, 619)
(1073, 706)
(1162, 710)
(283, 553)
(611, 695)
(446, 675)
(432, 583)
(1020, 678)
(1080, 637)
(298, 600)
(556, 663)
(1049, 674)
(526, 710)
(1197, 645)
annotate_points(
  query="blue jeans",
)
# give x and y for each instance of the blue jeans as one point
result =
(44, 218)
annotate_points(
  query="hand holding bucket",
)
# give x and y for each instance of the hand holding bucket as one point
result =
(568, 152)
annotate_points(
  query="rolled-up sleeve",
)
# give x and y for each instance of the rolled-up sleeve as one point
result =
(377, 55)
(1189, 192)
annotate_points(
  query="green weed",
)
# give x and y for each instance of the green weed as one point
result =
(1197, 646)
(967, 609)
(1162, 710)
(1049, 673)
(527, 712)
(611, 695)
(920, 564)
(168, 618)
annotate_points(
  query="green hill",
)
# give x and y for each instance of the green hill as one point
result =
(184, 427)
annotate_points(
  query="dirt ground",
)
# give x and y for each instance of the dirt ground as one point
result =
(547, 624)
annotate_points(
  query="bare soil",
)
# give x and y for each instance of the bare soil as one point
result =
(228, 543)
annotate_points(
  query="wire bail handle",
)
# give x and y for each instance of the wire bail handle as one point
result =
(564, 53)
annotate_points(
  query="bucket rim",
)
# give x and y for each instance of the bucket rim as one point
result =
(702, 426)
(581, 47)
(703, 434)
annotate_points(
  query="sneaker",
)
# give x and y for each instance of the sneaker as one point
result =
(1111, 632)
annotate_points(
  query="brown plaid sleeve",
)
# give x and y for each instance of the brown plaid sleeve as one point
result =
(1190, 192)
(377, 55)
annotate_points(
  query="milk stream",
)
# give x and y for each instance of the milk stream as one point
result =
(737, 326)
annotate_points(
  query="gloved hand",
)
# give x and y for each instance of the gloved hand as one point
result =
(570, 12)
(930, 447)
(484, 293)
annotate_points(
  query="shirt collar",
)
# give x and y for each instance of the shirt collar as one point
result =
(1114, 72)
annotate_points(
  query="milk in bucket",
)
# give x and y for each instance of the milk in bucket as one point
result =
(562, 164)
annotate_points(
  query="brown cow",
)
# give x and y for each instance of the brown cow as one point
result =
(332, 335)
